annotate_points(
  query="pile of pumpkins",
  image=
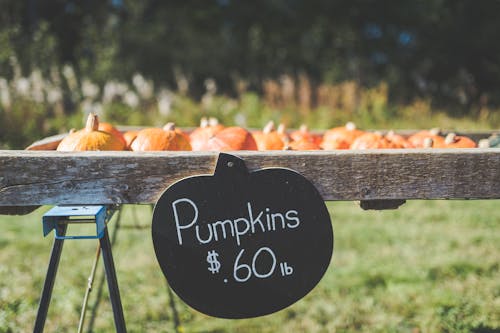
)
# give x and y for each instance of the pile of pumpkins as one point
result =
(212, 136)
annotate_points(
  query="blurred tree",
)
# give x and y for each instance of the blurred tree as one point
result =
(444, 49)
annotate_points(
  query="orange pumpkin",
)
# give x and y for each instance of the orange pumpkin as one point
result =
(129, 137)
(421, 139)
(230, 138)
(302, 145)
(341, 137)
(90, 138)
(268, 138)
(181, 132)
(456, 141)
(283, 134)
(303, 134)
(208, 128)
(107, 127)
(372, 141)
(398, 140)
(157, 139)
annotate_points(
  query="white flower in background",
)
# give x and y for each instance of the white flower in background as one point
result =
(240, 119)
(113, 89)
(130, 98)
(121, 88)
(97, 108)
(69, 75)
(89, 89)
(211, 89)
(182, 81)
(16, 68)
(210, 86)
(108, 92)
(207, 100)
(55, 76)
(5, 100)
(54, 95)
(165, 100)
(138, 80)
(37, 86)
(88, 106)
(287, 88)
(144, 87)
(22, 86)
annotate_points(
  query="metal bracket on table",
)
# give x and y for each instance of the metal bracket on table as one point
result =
(57, 219)
(76, 214)
(381, 204)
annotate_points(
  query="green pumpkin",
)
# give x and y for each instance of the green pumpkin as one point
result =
(494, 141)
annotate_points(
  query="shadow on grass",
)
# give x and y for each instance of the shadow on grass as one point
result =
(462, 318)
(485, 329)
(461, 270)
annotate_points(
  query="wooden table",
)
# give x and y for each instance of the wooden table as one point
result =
(380, 179)
(33, 178)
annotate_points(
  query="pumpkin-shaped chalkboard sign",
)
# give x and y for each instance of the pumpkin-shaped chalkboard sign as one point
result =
(240, 244)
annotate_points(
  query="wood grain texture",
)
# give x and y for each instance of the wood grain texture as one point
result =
(48, 177)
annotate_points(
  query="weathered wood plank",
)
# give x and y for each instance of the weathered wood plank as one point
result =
(39, 178)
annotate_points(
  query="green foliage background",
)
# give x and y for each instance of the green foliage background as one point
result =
(381, 64)
(438, 48)
(444, 49)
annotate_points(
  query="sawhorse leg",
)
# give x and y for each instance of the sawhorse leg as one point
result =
(50, 278)
(114, 292)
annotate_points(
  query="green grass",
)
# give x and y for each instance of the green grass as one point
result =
(431, 266)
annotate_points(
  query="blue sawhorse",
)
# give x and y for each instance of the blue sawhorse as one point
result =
(57, 219)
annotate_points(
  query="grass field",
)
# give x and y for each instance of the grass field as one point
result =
(431, 266)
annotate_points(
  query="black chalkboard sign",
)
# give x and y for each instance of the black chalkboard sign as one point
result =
(241, 244)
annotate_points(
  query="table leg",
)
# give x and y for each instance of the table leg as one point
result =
(114, 292)
(50, 278)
